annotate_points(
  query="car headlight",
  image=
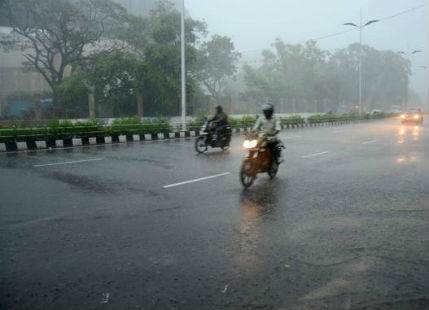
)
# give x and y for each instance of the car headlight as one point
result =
(416, 116)
(250, 144)
(402, 115)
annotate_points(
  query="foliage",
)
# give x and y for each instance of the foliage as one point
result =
(60, 34)
(305, 78)
(293, 119)
(216, 60)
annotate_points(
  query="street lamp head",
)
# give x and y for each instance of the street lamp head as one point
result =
(351, 24)
(371, 22)
(416, 51)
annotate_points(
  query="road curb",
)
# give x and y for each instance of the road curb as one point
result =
(76, 142)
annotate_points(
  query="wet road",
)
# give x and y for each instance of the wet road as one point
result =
(153, 225)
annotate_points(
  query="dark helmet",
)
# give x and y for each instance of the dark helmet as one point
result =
(219, 109)
(268, 110)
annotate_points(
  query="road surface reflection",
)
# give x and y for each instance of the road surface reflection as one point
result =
(405, 131)
(257, 210)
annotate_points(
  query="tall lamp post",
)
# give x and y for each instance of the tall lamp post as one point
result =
(427, 88)
(360, 26)
(182, 65)
(408, 55)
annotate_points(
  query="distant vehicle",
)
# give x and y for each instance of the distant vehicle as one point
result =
(376, 111)
(412, 115)
(209, 138)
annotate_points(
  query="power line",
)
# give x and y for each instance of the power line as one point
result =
(381, 19)
(404, 12)
(332, 35)
(354, 29)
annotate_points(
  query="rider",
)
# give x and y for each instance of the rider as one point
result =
(270, 125)
(219, 121)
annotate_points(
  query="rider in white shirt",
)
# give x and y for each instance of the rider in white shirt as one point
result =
(270, 125)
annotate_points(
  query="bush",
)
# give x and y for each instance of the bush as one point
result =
(293, 119)
(246, 121)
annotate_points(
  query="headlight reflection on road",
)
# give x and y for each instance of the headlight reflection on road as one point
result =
(401, 135)
(406, 159)
(416, 133)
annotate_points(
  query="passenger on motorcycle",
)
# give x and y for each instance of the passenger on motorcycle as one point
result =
(270, 125)
(219, 122)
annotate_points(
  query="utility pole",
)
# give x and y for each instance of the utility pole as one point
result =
(183, 69)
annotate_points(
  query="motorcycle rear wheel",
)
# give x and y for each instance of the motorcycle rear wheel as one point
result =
(273, 169)
(200, 144)
(246, 176)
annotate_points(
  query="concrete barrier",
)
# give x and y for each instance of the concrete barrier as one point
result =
(2, 147)
(41, 145)
(182, 134)
(122, 138)
(136, 137)
(59, 143)
(21, 146)
(192, 133)
(108, 140)
(76, 141)
(160, 136)
(147, 136)
(92, 140)
(172, 135)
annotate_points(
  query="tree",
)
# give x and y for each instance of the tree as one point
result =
(60, 34)
(217, 60)
(304, 78)
(157, 49)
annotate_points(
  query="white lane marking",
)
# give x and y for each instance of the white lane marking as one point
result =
(313, 155)
(197, 180)
(370, 141)
(225, 289)
(67, 162)
(291, 137)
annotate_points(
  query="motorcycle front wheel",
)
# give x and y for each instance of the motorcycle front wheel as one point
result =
(246, 175)
(200, 144)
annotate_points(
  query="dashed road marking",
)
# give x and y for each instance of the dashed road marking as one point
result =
(197, 180)
(369, 141)
(68, 162)
(315, 154)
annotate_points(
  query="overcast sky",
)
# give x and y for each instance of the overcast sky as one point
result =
(254, 24)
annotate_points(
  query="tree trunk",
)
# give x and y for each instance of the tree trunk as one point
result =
(140, 104)
(91, 106)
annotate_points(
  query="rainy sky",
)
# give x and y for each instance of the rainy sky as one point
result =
(253, 25)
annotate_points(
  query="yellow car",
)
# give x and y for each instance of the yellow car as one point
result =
(412, 115)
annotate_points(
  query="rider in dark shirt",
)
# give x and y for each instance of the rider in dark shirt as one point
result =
(219, 121)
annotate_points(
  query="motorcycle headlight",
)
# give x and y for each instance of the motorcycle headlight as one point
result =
(416, 116)
(250, 144)
(403, 116)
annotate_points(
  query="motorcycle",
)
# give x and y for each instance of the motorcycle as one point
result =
(260, 159)
(208, 138)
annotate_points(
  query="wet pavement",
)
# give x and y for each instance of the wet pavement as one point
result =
(152, 225)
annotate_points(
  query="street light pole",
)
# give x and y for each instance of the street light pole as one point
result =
(360, 64)
(408, 54)
(427, 88)
(360, 26)
(183, 69)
